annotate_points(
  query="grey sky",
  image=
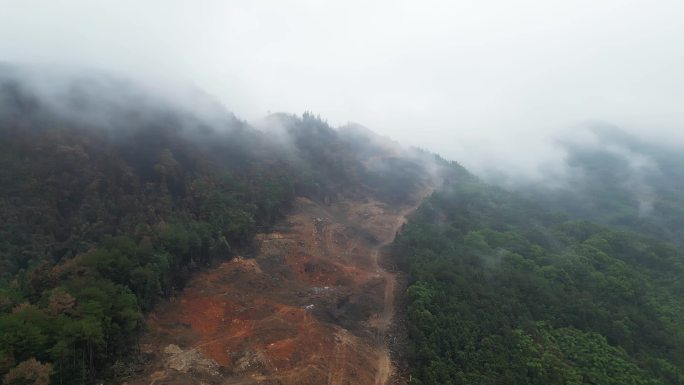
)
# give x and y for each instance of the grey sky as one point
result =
(487, 82)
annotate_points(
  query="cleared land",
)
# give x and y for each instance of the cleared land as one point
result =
(312, 307)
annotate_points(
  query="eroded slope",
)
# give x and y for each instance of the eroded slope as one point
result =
(312, 307)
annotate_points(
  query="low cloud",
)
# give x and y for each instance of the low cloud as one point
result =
(490, 84)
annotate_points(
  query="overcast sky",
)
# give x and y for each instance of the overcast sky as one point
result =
(484, 82)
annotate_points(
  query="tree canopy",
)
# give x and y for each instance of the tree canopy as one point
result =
(504, 292)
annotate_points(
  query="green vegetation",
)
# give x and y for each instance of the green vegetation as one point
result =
(503, 292)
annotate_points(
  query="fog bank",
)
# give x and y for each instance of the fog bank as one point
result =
(492, 84)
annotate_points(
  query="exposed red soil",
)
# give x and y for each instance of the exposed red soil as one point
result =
(310, 308)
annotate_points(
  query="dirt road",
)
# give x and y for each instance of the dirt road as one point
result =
(384, 371)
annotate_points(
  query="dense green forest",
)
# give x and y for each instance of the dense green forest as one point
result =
(504, 292)
(99, 222)
(110, 199)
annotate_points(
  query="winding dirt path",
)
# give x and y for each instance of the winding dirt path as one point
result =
(384, 371)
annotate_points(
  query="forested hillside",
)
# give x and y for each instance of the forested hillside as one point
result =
(620, 180)
(503, 292)
(110, 198)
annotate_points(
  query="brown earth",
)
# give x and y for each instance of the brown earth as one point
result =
(312, 307)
